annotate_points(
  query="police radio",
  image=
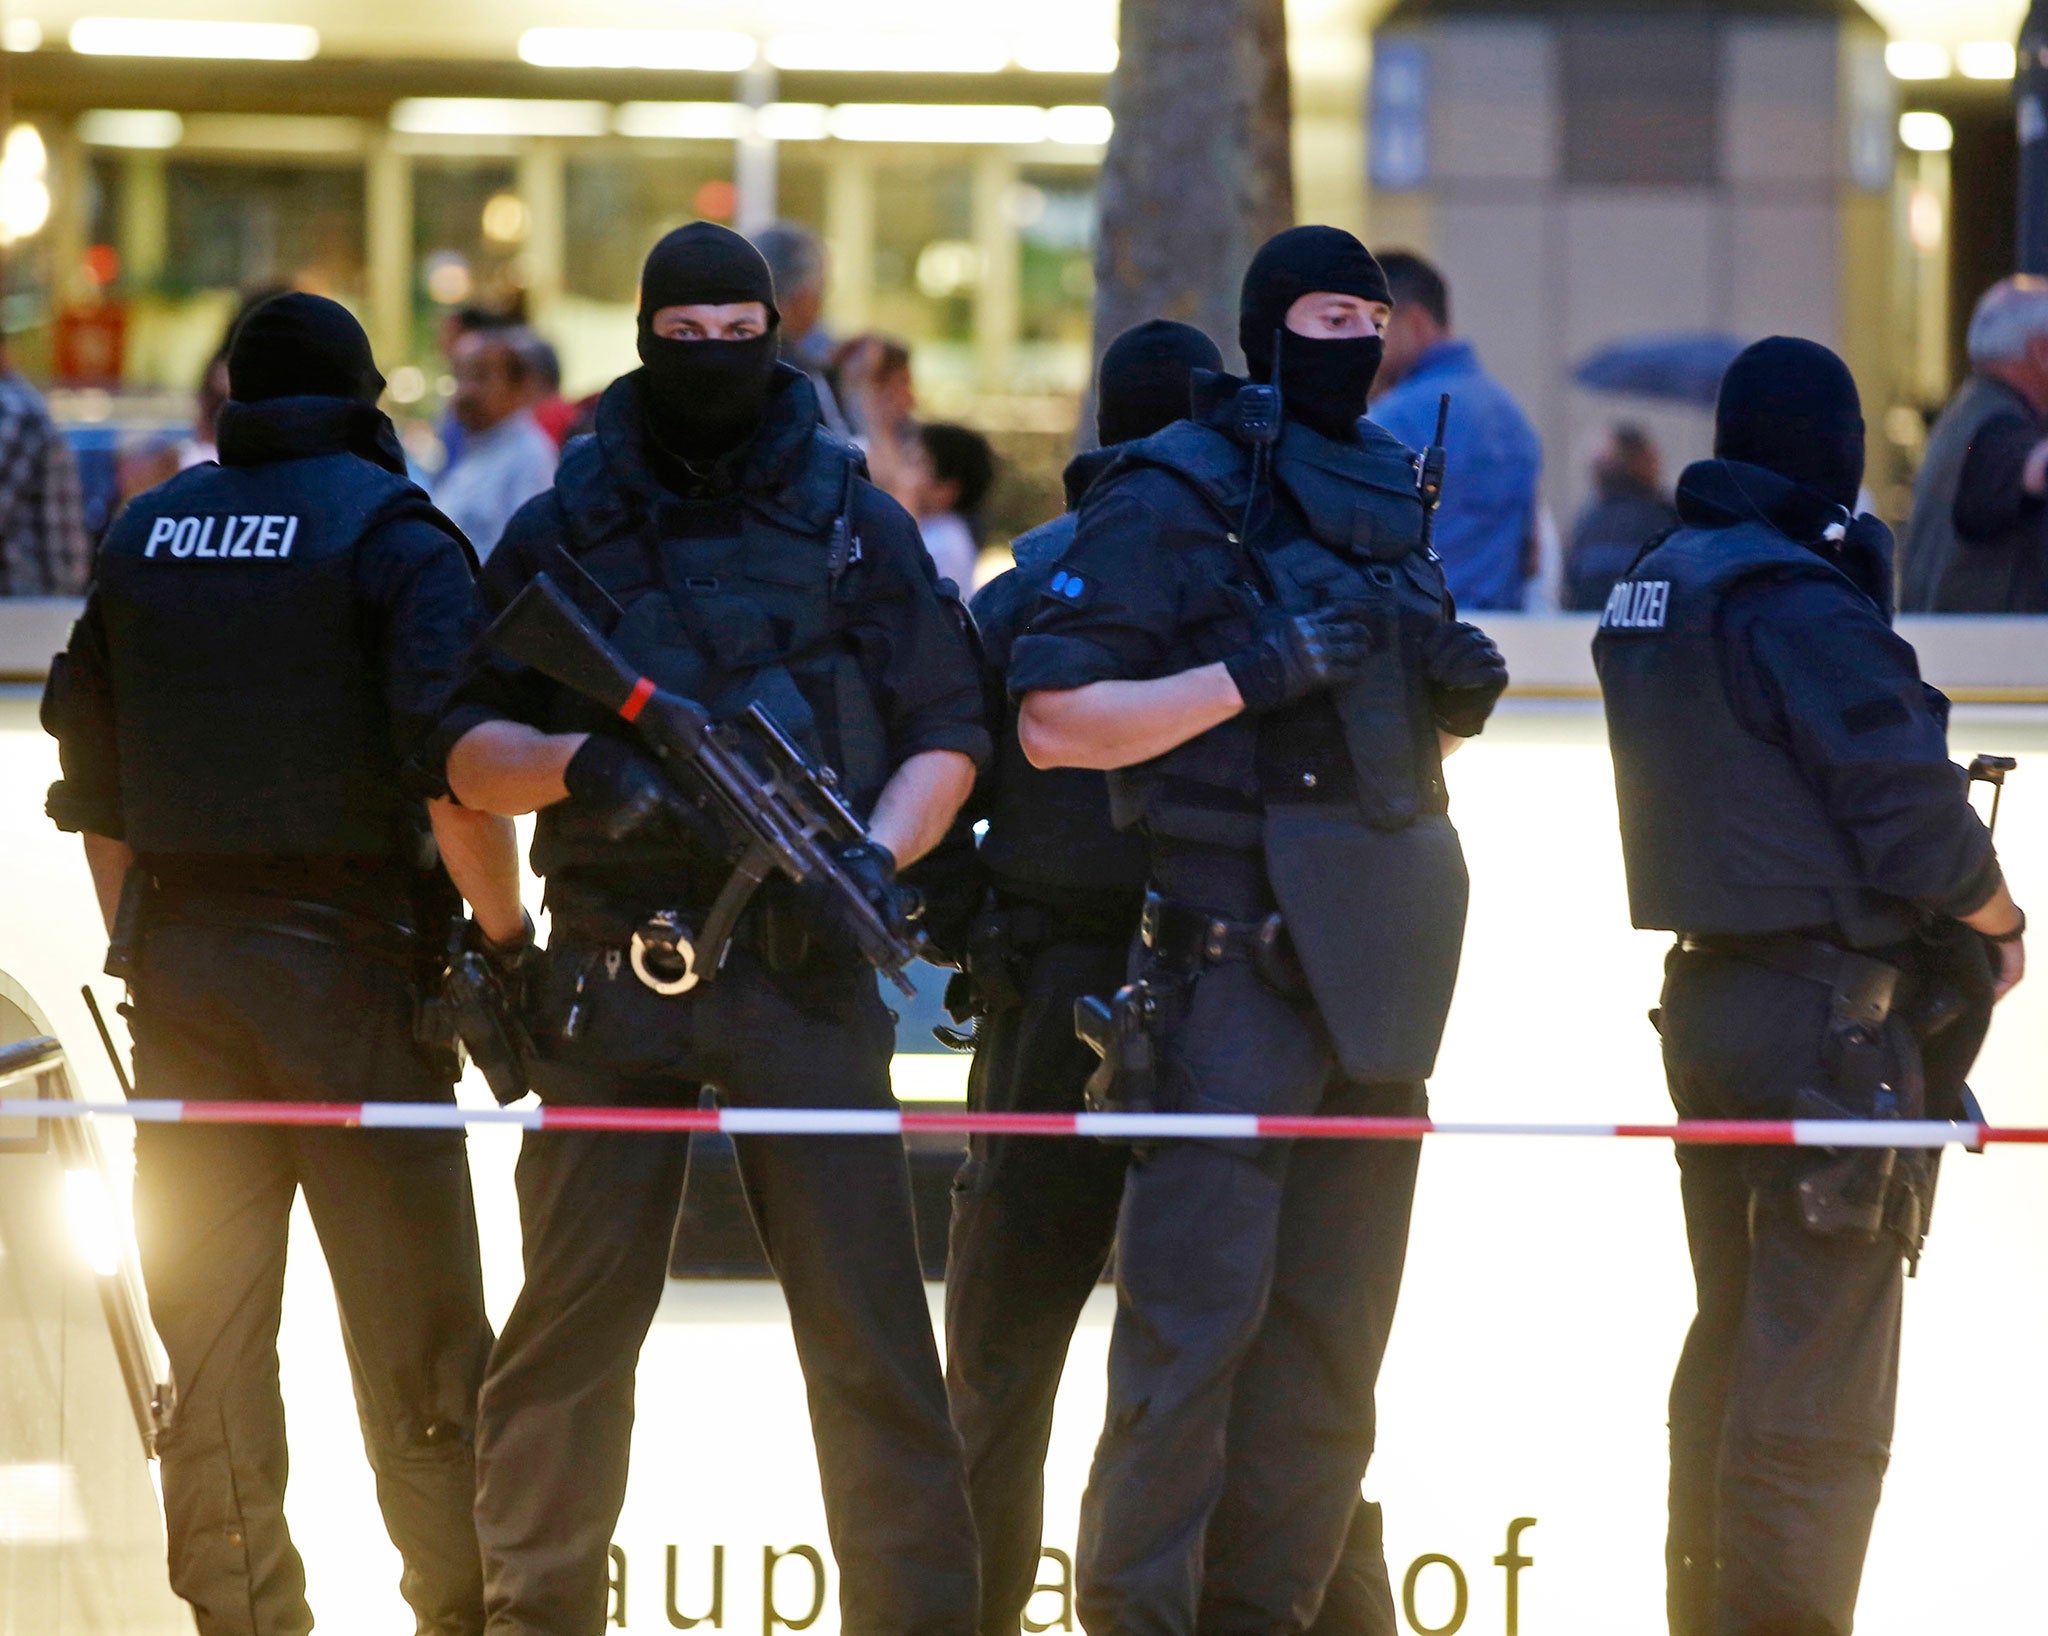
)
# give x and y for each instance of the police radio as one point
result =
(1255, 416)
(1429, 476)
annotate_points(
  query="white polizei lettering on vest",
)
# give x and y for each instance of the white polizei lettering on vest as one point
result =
(291, 528)
(206, 536)
(1637, 605)
(185, 538)
(273, 529)
(159, 531)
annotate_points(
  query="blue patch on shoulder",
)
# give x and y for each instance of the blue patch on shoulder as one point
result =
(1066, 585)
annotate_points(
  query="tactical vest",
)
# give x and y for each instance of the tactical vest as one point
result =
(1049, 829)
(757, 616)
(1362, 545)
(1720, 831)
(248, 695)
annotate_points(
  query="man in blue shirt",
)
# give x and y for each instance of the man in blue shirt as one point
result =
(1487, 522)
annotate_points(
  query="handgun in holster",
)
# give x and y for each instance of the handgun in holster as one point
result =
(486, 1016)
(1852, 1193)
(124, 944)
(1121, 1032)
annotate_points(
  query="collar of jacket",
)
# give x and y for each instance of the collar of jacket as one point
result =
(1084, 468)
(1722, 493)
(766, 463)
(254, 434)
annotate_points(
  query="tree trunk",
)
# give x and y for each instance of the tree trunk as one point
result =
(1198, 173)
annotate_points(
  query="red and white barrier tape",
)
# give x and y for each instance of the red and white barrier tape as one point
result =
(1923, 1133)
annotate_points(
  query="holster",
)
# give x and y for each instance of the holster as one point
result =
(1123, 1032)
(124, 946)
(485, 1017)
(1000, 943)
(1858, 1193)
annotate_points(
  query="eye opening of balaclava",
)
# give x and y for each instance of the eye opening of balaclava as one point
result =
(301, 345)
(1145, 379)
(1791, 406)
(701, 399)
(1323, 381)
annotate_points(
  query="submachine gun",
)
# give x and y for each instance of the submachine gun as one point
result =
(785, 811)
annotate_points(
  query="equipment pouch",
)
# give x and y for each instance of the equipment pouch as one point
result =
(1122, 1032)
(124, 947)
(1377, 918)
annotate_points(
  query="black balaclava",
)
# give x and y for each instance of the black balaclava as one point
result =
(298, 345)
(1145, 376)
(1323, 383)
(1791, 406)
(704, 398)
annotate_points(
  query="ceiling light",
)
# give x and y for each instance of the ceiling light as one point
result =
(21, 34)
(1926, 132)
(794, 122)
(24, 194)
(993, 123)
(707, 51)
(180, 37)
(1078, 126)
(1987, 59)
(498, 116)
(1067, 54)
(689, 121)
(130, 128)
(1917, 60)
(869, 53)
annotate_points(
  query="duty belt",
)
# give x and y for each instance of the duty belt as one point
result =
(284, 917)
(1192, 936)
(1863, 987)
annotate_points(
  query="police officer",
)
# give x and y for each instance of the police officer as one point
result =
(753, 563)
(242, 714)
(1249, 633)
(1033, 1218)
(1789, 810)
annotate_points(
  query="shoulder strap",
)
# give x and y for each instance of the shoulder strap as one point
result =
(1210, 463)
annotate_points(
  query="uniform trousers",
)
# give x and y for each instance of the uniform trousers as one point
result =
(1034, 1219)
(237, 1014)
(834, 1213)
(1256, 1287)
(1782, 1405)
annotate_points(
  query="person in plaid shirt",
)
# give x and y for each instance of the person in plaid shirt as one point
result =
(43, 547)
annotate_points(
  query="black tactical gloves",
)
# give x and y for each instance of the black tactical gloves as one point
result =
(1292, 655)
(1466, 677)
(632, 798)
(871, 866)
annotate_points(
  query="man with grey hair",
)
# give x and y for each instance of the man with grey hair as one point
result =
(796, 258)
(1978, 541)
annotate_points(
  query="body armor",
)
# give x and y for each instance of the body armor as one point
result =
(248, 693)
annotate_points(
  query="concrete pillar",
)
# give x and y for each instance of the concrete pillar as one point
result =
(1330, 62)
(849, 237)
(754, 157)
(65, 237)
(388, 240)
(543, 189)
(143, 219)
(998, 312)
